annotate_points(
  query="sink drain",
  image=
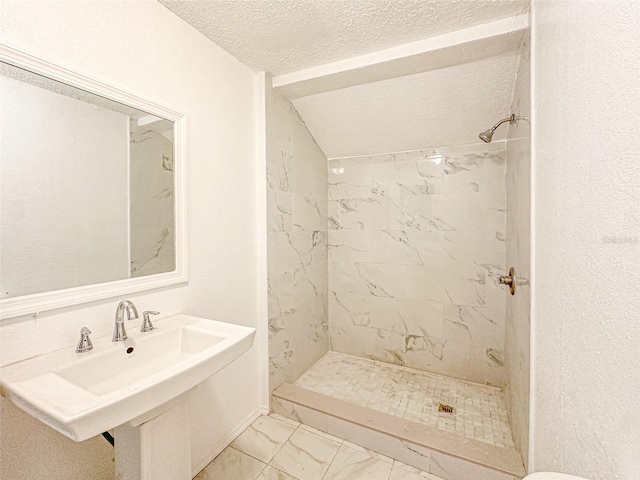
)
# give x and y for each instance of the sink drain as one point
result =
(445, 408)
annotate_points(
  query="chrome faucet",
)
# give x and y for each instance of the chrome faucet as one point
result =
(84, 345)
(120, 334)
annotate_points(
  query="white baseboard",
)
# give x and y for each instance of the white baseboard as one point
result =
(226, 441)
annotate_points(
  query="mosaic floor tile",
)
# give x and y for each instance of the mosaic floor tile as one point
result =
(479, 411)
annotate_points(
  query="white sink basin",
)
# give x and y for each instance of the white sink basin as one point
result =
(83, 395)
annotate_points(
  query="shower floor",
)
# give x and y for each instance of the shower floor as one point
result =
(480, 412)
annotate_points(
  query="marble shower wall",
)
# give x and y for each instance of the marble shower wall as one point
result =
(151, 201)
(296, 243)
(416, 241)
(518, 307)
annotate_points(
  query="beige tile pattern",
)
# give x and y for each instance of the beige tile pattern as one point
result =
(307, 454)
(479, 411)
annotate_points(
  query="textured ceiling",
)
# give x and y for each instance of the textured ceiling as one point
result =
(449, 106)
(449, 103)
(281, 36)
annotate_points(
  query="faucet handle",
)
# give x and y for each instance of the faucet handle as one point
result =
(84, 345)
(147, 326)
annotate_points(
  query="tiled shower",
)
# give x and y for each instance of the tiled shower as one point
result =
(416, 240)
(383, 282)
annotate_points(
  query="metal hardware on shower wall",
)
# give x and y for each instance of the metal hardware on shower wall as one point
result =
(509, 280)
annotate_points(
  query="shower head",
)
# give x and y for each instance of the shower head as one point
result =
(487, 135)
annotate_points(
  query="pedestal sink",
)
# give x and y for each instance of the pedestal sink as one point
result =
(139, 387)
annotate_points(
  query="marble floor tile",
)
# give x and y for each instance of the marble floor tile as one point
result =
(352, 464)
(263, 438)
(305, 455)
(232, 464)
(271, 473)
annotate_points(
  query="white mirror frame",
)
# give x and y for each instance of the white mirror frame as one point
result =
(39, 302)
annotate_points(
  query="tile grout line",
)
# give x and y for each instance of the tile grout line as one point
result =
(332, 460)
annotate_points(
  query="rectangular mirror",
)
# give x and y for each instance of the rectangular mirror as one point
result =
(90, 189)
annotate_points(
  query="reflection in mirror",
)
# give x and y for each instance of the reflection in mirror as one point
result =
(86, 187)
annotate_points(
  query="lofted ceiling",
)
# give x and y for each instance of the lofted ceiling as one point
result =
(411, 101)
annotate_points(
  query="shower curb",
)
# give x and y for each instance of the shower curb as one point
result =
(435, 451)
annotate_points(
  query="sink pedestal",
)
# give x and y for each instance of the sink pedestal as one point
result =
(158, 449)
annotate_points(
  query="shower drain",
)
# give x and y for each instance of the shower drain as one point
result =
(445, 408)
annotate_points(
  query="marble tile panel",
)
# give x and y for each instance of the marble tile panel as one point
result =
(372, 343)
(263, 438)
(473, 325)
(475, 172)
(279, 211)
(341, 188)
(310, 282)
(333, 215)
(299, 175)
(232, 464)
(306, 455)
(319, 187)
(305, 148)
(297, 243)
(420, 226)
(297, 339)
(351, 464)
(397, 247)
(309, 213)
(347, 277)
(415, 317)
(279, 148)
(461, 286)
(415, 187)
(486, 249)
(495, 294)
(517, 348)
(284, 255)
(363, 213)
(280, 293)
(475, 363)
(310, 247)
(349, 246)
(454, 212)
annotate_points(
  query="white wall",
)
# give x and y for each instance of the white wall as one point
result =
(144, 49)
(55, 150)
(586, 238)
(517, 340)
